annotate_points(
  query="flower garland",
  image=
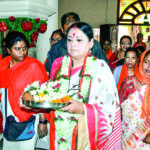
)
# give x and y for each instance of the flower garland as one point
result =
(59, 88)
(65, 120)
(28, 26)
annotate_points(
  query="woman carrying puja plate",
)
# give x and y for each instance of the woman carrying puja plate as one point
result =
(91, 120)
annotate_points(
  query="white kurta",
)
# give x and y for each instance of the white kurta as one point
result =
(19, 145)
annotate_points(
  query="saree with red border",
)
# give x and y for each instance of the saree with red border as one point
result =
(100, 126)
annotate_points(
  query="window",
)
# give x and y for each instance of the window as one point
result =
(96, 32)
(134, 12)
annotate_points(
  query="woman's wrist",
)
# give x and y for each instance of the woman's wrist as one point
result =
(43, 121)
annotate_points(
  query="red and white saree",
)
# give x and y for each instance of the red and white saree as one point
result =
(100, 126)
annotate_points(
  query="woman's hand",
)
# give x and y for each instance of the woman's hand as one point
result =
(42, 127)
(26, 96)
(74, 107)
(147, 139)
(42, 130)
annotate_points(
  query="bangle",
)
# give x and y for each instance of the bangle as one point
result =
(43, 121)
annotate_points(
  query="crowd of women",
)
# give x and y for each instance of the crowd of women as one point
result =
(96, 117)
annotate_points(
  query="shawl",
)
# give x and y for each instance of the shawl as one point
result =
(16, 78)
(113, 60)
(109, 54)
(143, 78)
(124, 74)
(110, 142)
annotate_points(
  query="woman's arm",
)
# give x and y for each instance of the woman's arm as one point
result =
(42, 127)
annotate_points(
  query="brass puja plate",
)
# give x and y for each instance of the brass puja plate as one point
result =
(44, 105)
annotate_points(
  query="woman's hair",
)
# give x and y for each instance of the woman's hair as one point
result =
(15, 36)
(141, 48)
(109, 42)
(131, 49)
(74, 15)
(3, 41)
(84, 27)
(59, 31)
(140, 34)
(4, 48)
(126, 36)
(147, 53)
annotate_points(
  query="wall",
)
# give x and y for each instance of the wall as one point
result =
(94, 12)
(43, 44)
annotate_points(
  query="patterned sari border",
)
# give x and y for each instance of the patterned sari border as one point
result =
(85, 112)
(96, 125)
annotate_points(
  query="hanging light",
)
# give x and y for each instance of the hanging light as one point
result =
(145, 17)
(146, 21)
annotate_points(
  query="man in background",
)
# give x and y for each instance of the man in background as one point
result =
(139, 41)
(56, 36)
(60, 48)
(4, 49)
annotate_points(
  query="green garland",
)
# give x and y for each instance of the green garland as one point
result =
(27, 26)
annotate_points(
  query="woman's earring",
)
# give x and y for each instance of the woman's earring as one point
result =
(90, 50)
